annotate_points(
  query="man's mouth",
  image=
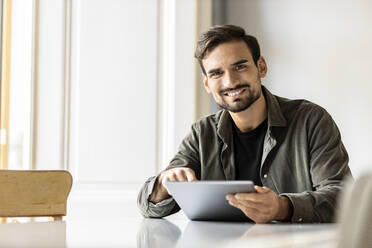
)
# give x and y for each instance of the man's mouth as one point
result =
(233, 93)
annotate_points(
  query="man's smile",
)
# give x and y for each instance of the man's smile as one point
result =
(233, 93)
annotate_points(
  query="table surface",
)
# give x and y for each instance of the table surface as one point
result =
(117, 223)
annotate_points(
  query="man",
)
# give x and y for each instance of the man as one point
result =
(290, 149)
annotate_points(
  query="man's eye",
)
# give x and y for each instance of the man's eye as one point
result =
(216, 73)
(240, 67)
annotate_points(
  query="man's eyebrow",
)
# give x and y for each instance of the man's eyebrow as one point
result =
(242, 61)
(214, 70)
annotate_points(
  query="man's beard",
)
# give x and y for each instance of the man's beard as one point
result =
(240, 104)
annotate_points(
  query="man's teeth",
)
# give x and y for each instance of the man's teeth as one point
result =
(235, 93)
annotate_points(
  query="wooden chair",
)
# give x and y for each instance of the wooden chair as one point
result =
(34, 193)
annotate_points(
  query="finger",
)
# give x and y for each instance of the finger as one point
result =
(181, 175)
(190, 174)
(262, 189)
(253, 197)
(256, 215)
(249, 212)
(165, 187)
(163, 184)
(229, 197)
(171, 177)
(248, 204)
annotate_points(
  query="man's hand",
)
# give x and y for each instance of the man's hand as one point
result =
(160, 192)
(263, 206)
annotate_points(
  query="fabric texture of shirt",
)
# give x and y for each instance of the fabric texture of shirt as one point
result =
(248, 148)
(303, 158)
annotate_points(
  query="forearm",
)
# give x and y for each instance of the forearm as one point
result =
(158, 210)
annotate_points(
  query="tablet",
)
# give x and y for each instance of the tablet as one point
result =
(206, 200)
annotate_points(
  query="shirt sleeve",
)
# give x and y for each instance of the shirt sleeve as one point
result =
(328, 169)
(158, 210)
(187, 156)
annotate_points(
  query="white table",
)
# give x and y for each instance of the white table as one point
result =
(113, 223)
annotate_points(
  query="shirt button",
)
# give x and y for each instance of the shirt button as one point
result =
(265, 176)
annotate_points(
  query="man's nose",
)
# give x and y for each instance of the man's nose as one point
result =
(231, 79)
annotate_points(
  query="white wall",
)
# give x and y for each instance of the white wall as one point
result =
(319, 50)
(114, 90)
(114, 85)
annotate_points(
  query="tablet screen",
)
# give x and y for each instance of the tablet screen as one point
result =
(206, 200)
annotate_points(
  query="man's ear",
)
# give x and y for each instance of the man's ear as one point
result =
(205, 83)
(262, 67)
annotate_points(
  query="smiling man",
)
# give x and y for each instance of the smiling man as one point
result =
(290, 149)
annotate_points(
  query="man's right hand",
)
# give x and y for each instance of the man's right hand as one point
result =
(160, 192)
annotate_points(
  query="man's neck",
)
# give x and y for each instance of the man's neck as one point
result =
(252, 117)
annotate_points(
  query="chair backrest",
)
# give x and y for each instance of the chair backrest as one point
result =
(34, 193)
(355, 216)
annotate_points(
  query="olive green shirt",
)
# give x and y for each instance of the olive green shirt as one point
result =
(303, 158)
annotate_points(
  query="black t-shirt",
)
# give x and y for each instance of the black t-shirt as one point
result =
(248, 148)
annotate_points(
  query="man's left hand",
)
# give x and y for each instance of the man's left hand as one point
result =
(263, 206)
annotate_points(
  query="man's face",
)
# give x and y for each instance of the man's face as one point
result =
(232, 76)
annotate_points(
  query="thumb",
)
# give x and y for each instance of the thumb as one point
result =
(261, 189)
(163, 184)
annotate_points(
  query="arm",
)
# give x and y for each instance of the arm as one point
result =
(153, 199)
(328, 168)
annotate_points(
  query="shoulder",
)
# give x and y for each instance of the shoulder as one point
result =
(301, 108)
(304, 116)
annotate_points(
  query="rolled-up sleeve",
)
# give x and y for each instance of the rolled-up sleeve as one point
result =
(149, 209)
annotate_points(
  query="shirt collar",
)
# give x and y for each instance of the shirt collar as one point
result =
(274, 112)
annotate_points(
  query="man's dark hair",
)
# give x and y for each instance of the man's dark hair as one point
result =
(217, 35)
